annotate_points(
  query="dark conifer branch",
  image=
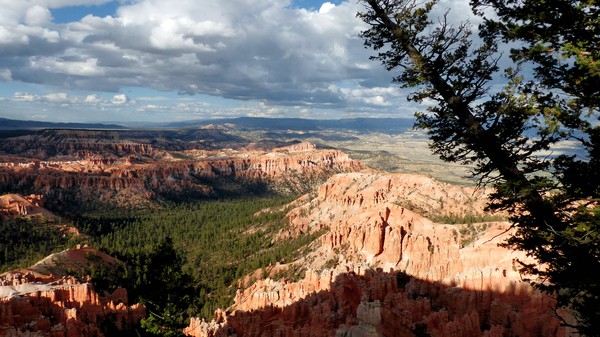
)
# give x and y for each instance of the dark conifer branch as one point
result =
(504, 136)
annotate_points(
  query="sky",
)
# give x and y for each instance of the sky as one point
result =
(177, 60)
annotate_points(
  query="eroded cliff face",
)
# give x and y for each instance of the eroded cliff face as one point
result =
(37, 301)
(125, 182)
(381, 268)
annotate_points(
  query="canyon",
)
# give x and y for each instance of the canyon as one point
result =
(395, 254)
(130, 181)
(381, 268)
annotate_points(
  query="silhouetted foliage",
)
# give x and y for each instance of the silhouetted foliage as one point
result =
(402, 279)
(157, 280)
(507, 134)
(420, 330)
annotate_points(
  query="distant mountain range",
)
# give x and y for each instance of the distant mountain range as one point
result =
(300, 124)
(386, 125)
(12, 124)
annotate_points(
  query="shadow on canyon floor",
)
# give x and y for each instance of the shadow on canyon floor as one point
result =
(377, 303)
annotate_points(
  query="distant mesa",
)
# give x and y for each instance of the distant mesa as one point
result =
(384, 125)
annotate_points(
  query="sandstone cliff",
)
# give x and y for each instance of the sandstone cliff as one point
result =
(383, 269)
(125, 183)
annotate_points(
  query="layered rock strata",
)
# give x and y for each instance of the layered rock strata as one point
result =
(56, 144)
(127, 182)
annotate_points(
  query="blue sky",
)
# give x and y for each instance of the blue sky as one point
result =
(163, 60)
(76, 13)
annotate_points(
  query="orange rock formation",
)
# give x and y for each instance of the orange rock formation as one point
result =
(383, 269)
(93, 179)
(36, 302)
(65, 310)
(12, 205)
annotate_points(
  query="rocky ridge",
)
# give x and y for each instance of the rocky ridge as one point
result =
(125, 182)
(58, 144)
(381, 268)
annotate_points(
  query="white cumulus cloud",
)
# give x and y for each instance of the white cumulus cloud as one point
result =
(120, 99)
(24, 96)
(37, 16)
(92, 99)
(240, 49)
(326, 7)
(59, 97)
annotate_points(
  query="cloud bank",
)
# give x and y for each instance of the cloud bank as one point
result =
(263, 51)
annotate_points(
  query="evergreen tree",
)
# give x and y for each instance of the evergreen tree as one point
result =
(554, 200)
(165, 289)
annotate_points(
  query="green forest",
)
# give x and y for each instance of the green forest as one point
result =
(180, 259)
(27, 240)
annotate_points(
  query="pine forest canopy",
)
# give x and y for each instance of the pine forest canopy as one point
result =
(554, 199)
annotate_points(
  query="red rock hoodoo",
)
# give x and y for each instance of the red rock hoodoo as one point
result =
(33, 303)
